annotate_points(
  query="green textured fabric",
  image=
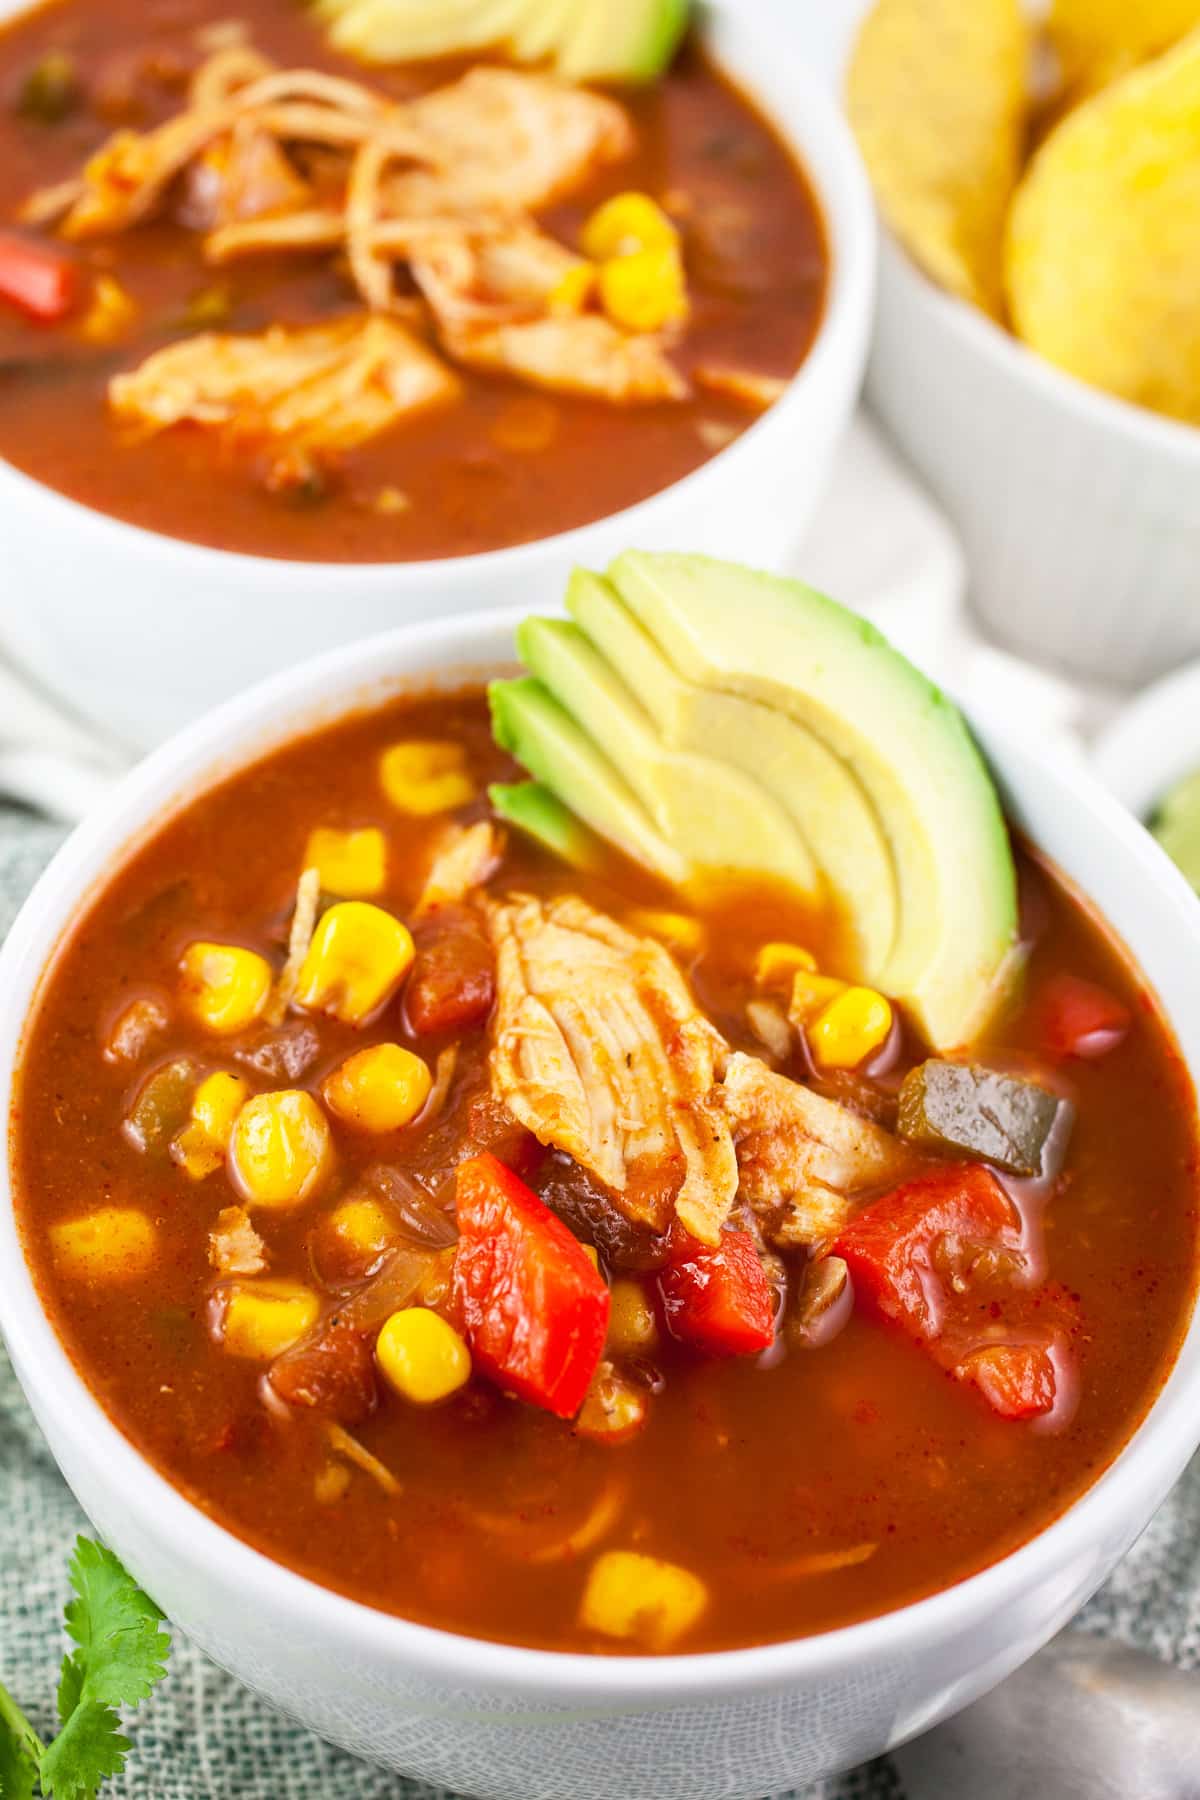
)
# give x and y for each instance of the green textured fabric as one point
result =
(204, 1737)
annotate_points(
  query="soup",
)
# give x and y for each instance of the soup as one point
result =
(269, 342)
(239, 1164)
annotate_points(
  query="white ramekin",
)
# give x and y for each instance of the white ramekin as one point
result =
(483, 1718)
(1079, 514)
(140, 633)
(1152, 743)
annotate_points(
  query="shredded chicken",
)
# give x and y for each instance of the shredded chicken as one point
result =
(320, 388)
(744, 385)
(801, 1157)
(234, 1247)
(466, 857)
(600, 1050)
(574, 354)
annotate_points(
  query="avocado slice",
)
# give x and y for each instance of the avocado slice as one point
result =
(1176, 825)
(823, 798)
(585, 40)
(779, 643)
(717, 817)
(533, 809)
(530, 724)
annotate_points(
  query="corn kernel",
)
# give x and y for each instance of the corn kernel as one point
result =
(810, 993)
(422, 1357)
(572, 291)
(223, 986)
(111, 315)
(114, 1243)
(426, 776)
(350, 863)
(201, 1146)
(281, 1148)
(631, 1322)
(614, 1408)
(262, 1319)
(850, 1028)
(626, 223)
(678, 930)
(358, 956)
(645, 290)
(777, 964)
(380, 1089)
(349, 1242)
(642, 1598)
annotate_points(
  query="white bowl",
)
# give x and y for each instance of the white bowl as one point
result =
(1152, 743)
(484, 1718)
(139, 632)
(1079, 514)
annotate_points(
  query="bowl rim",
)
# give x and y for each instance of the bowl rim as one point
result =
(1016, 361)
(228, 737)
(843, 200)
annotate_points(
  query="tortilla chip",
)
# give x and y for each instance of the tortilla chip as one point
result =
(1103, 242)
(937, 93)
(1097, 41)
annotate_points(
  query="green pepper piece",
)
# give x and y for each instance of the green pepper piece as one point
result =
(161, 1105)
(979, 1112)
(50, 91)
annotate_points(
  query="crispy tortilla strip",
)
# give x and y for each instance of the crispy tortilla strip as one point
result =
(600, 1050)
(800, 1157)
(234, 1247)
(465, 858)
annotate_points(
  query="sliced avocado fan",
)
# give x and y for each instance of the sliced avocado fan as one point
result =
(583, 40)
(874, 772)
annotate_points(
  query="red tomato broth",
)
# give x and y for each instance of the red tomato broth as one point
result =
(757, 299)
(746, 1468)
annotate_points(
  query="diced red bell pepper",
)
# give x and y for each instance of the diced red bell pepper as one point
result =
(533, 1307)
(889, 1245)
(38, 280)
(717, 1298)
(1016, 1380)
(1079, 1018)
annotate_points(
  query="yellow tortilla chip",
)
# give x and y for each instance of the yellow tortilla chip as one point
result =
(937, 93)
(1103, 250)
(1099, 40)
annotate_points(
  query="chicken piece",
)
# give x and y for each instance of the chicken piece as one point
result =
(234, 1247)
(320, 388)
(241, 177)
(465, 858)
(600, 1050)
(487, 275)
(801, 1157)
(584, 354)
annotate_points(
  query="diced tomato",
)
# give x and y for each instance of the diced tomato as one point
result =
(534, 1309)
(36, 279)
(1016, 1380)
(718, 1298)
(1079, 1018)
(453, 981)
(889, 1245)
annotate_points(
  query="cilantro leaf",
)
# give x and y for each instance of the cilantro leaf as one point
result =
(20, 1751)
(122, 1650)
(87, 1750)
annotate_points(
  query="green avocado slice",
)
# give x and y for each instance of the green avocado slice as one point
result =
(533, 809)
(777, 642)
(823, 798)
(718, 818)
(531, 725)
(1176, 825)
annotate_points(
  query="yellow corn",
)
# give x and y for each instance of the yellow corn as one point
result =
(223, 986)
(641, 1598)
(114, 1243)
(379, 1089)
(572, 291)
(614, 1408)
(422, 1357)
(350, 863)
(358, 956)
(631, 1322)
(363, 1225)
(281, 1148)
(675, 929)
(645, 290)
(112, 312)
(810, 993)
(850, 1028)
(776, 965)
(626, 223)
(262, 1319)
(200, 1147)
(426, 776)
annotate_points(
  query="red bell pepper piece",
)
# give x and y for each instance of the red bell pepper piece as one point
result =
(717, 1298)
(888, 1246)
(534, 1309)
(1016, 1380)
(36, 279)
(1078, 1018)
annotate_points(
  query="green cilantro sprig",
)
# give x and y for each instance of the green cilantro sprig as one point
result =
(121, 1652)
